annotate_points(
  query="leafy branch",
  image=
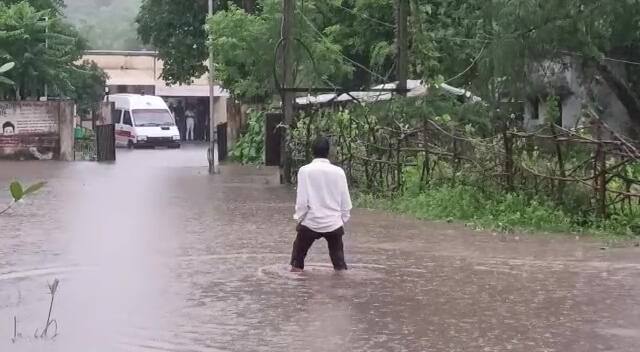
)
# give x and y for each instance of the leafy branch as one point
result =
(4, 68)
(19, 192)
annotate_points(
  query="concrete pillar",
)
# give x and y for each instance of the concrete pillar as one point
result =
(104, 117)
(65, 130)
(221, 109)
(571, 111)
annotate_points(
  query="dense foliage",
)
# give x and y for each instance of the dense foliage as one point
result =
(249, 149)
(55, 6)
(497, 49)
(244, 50)
(176, 30)
(489, 46)
(430, 158)
(360, 33)
(46, 51)
(88, 82)
(42, 46)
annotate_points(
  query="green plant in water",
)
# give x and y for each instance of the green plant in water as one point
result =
(19, 192)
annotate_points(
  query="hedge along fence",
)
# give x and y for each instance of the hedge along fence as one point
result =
(389, 148)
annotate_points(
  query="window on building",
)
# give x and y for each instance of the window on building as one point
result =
(535, 112)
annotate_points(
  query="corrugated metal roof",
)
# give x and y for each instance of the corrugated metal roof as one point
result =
(318, 99)
(416, 89)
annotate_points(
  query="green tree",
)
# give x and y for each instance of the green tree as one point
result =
(55, 7)
(42, 49)
(363, 30)
(443, 36)
(176, 30)
(88, 82)
(444, 42)
(600, 36)
(45, 50)
(244, 52)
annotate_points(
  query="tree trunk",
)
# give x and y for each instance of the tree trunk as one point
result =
(402, 45)
(600, 181)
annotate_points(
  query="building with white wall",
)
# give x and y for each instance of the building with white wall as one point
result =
(565, 81)
(138, 72)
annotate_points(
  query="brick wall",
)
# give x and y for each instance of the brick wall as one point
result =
(33, 130)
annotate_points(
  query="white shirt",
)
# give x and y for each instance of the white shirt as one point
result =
(323, 202)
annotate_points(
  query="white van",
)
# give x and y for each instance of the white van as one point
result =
(143, 120)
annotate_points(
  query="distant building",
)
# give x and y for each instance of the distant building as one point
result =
(565, 81)
(138, 72)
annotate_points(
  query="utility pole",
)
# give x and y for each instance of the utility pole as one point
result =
(46, 46)
(212, 154)
(288, 62)
(402, 44)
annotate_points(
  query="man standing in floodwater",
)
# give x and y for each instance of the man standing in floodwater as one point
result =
(323, 207)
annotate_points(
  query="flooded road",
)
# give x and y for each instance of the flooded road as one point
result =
(153, 254)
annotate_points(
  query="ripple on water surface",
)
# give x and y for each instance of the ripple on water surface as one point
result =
(322, 271)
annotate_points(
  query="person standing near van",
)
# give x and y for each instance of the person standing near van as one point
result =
(179, 116)
(191, 123)
(323, 207)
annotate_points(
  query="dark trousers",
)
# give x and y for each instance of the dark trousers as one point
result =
(182, 128)
(304, 241)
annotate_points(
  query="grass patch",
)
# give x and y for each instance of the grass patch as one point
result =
(500, 212)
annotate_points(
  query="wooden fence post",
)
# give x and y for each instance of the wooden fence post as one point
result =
(454, 158)
(563, 173)
(599, 169)
(399, 164)
(424, 174)
(508, 162)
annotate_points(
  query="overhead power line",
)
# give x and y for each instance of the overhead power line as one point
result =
(322, 36)
(624, 61)
(357, 13)
(473, 63)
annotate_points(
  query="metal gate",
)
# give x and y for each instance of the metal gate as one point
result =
(106, 142)
(222, 141)
(273, 139)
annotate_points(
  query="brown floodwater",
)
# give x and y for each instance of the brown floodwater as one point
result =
(153, 254)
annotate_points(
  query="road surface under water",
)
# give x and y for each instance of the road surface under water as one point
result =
(153, 254)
